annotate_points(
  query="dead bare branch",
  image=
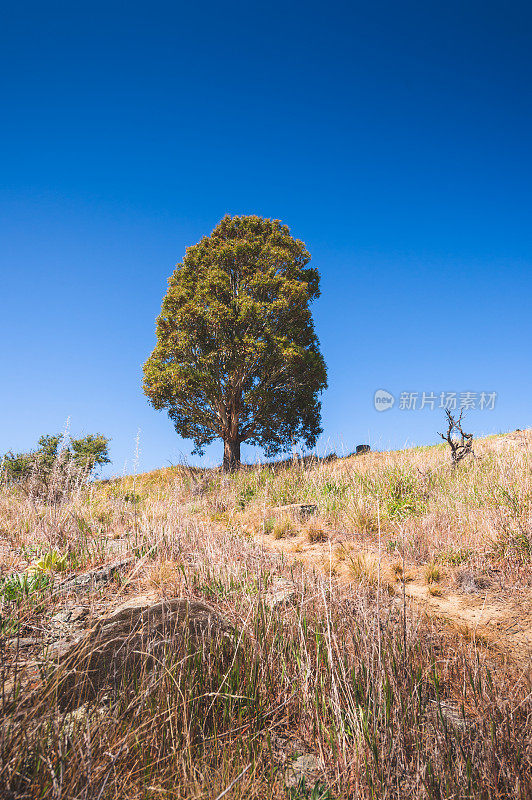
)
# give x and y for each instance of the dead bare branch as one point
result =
(460, 448)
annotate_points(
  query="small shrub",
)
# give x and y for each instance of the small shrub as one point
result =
(453, 557)
(83, 526)
(268, 525)
(247, 493)
(405, 499)
(400, 575)
(514, 542)
(366, 520)
(132, 497)
(287, 488)
(362, 567)
(105, 518)
(55, 465)
(21, 586)
(316, 533)
(283, 528)
(219, 516)
(332, 489)
(432, 573)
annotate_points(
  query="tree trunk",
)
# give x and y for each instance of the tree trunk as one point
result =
(231, 455)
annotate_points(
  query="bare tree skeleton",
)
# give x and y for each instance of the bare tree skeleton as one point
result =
(460, 448)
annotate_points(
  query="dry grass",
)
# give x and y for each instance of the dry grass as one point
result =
(283, 528)
(391, 707)
(433, 573)
(479, 512)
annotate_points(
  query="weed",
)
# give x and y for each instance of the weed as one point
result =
(269, 525)
(50, 562)
(316, 533)
(432, 573)
(453, 556)
(132, 497)
(405, 499)
(513, 542)
(23, 586)
(247, 493)
(363, 567)
(283, 528)
(319, 791)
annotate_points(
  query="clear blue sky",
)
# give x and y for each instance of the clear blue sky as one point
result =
(393, 138)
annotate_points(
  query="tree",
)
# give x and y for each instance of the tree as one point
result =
(76, 460)
(237, 357)
(90, 452)
(460, 448)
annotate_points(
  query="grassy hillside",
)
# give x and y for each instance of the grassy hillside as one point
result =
(375, 643)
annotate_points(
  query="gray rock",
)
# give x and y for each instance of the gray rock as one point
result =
(132, 639)
(94, 577)
(61, 619)
(362, 448)
(469, 583)
(304, 767)
(25, 641)
(81, 717)
(69, 617)
(78, 613)
(452, 715)
(281, 592)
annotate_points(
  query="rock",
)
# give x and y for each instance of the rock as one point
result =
(140, 601)
(67, 617)
(452, 715)
(78, 613)
(94, 577)
(61, 619)
(300, 511)
(305, 768)
(361, 449)
(281, 592)
(469, 583)
(25, 641)
(82, 716)
(131, 640)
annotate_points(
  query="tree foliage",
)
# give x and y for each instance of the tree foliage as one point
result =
(56, 458)
(237, 357)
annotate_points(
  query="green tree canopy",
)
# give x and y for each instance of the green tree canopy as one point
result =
(237, 357)
(77, 458)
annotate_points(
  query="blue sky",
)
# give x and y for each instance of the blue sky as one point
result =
(393, 138)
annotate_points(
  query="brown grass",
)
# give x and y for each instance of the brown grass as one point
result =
(391, 706)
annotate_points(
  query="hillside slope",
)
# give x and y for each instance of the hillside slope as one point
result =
(356, 627)
(456, 541)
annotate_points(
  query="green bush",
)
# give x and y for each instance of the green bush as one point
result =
(55, 459)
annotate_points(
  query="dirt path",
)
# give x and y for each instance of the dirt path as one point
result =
(505, 625)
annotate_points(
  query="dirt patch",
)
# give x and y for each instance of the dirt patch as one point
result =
(505, 624)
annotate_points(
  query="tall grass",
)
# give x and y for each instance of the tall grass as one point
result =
(482, 508)
(391, 706)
